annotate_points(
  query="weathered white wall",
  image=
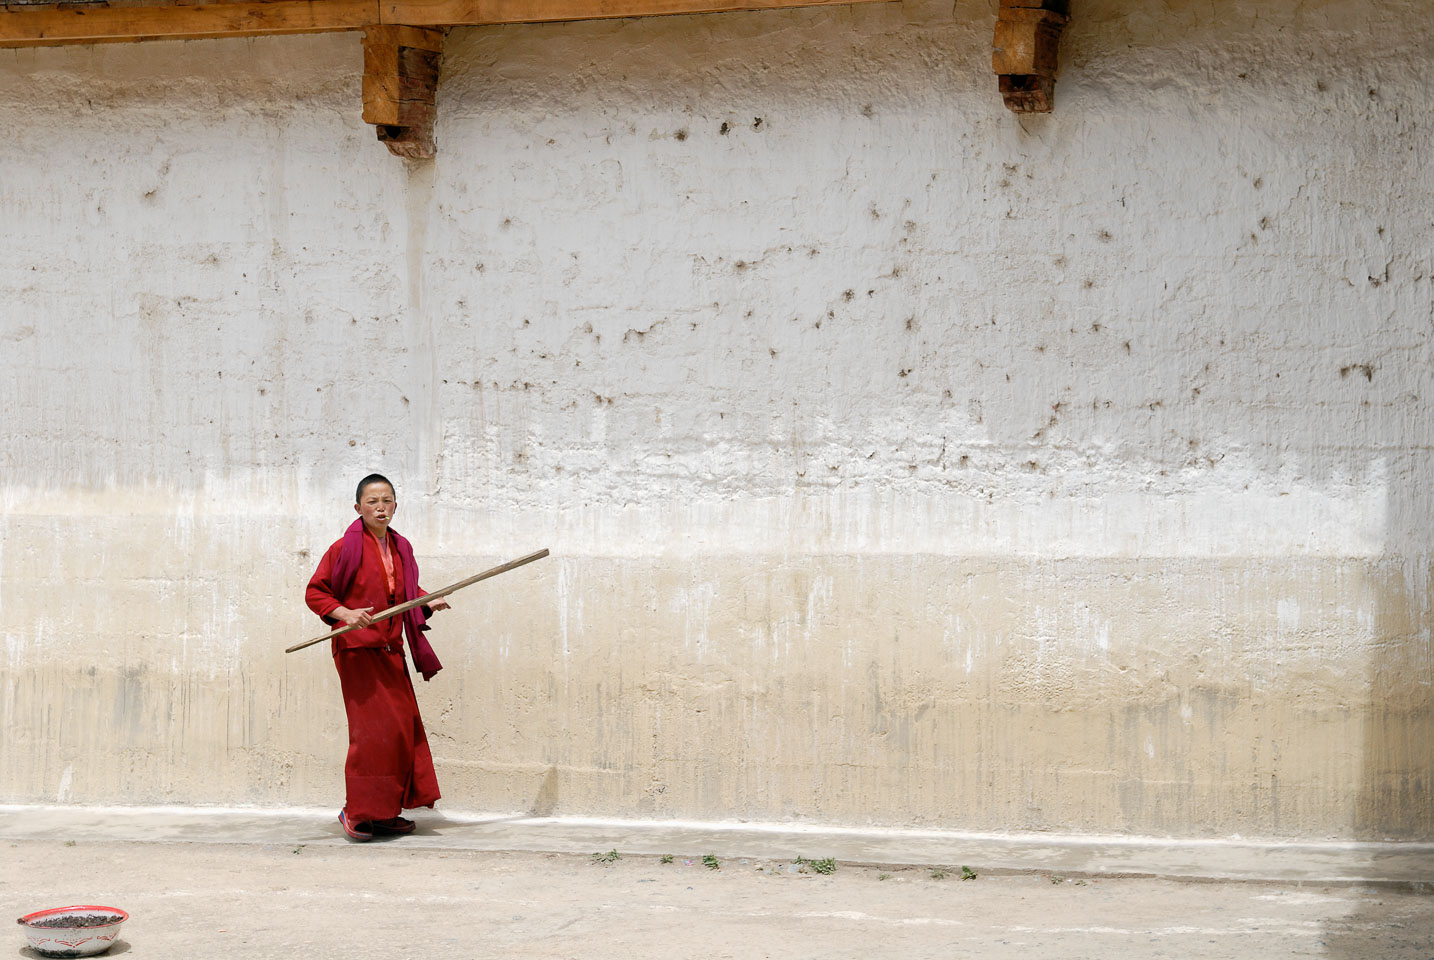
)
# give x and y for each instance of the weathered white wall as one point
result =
(903, 460)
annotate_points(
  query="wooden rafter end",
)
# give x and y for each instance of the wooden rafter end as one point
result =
(400, 86)
(1026, 52)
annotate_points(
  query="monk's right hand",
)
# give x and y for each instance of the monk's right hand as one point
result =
(354, 618)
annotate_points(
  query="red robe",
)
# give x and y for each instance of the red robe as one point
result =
(389, 766)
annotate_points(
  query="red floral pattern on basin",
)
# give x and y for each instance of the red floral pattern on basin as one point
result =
(76, 941)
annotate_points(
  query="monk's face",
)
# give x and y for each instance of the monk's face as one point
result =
(377, 505)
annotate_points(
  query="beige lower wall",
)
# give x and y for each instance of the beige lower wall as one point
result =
(1183, 697)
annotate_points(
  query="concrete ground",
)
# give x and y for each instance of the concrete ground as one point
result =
(255, 885)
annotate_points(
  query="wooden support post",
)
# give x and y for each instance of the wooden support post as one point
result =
(400, 82)
(1026, 54)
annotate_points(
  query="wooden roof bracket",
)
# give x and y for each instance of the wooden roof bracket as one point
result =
(1026, 52)
(400, 85)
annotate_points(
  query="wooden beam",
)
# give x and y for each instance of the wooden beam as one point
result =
(97, 21)
(449, 13)
(1025, 52)
(46, 24)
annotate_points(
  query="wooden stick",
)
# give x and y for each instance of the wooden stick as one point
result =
(426, 598)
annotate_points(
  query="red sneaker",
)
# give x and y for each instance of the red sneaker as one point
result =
(355, 831)
(394, 826)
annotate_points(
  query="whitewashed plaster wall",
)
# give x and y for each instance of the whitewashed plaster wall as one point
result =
(903, 460)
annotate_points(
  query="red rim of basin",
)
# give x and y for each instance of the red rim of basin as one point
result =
(29, 918)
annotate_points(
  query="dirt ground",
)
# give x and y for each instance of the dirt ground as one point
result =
(384, 901)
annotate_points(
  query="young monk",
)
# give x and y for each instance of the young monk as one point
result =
(369, 569)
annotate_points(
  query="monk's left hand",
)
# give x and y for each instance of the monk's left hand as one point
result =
(439, 604)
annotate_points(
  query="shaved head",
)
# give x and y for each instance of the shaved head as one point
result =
(371, 478)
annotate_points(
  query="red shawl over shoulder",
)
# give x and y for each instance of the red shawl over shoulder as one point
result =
(328, 592)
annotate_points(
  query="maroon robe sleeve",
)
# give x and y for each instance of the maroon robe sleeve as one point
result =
(320, 595)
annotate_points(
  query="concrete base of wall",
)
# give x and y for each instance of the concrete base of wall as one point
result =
(1069, 855)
